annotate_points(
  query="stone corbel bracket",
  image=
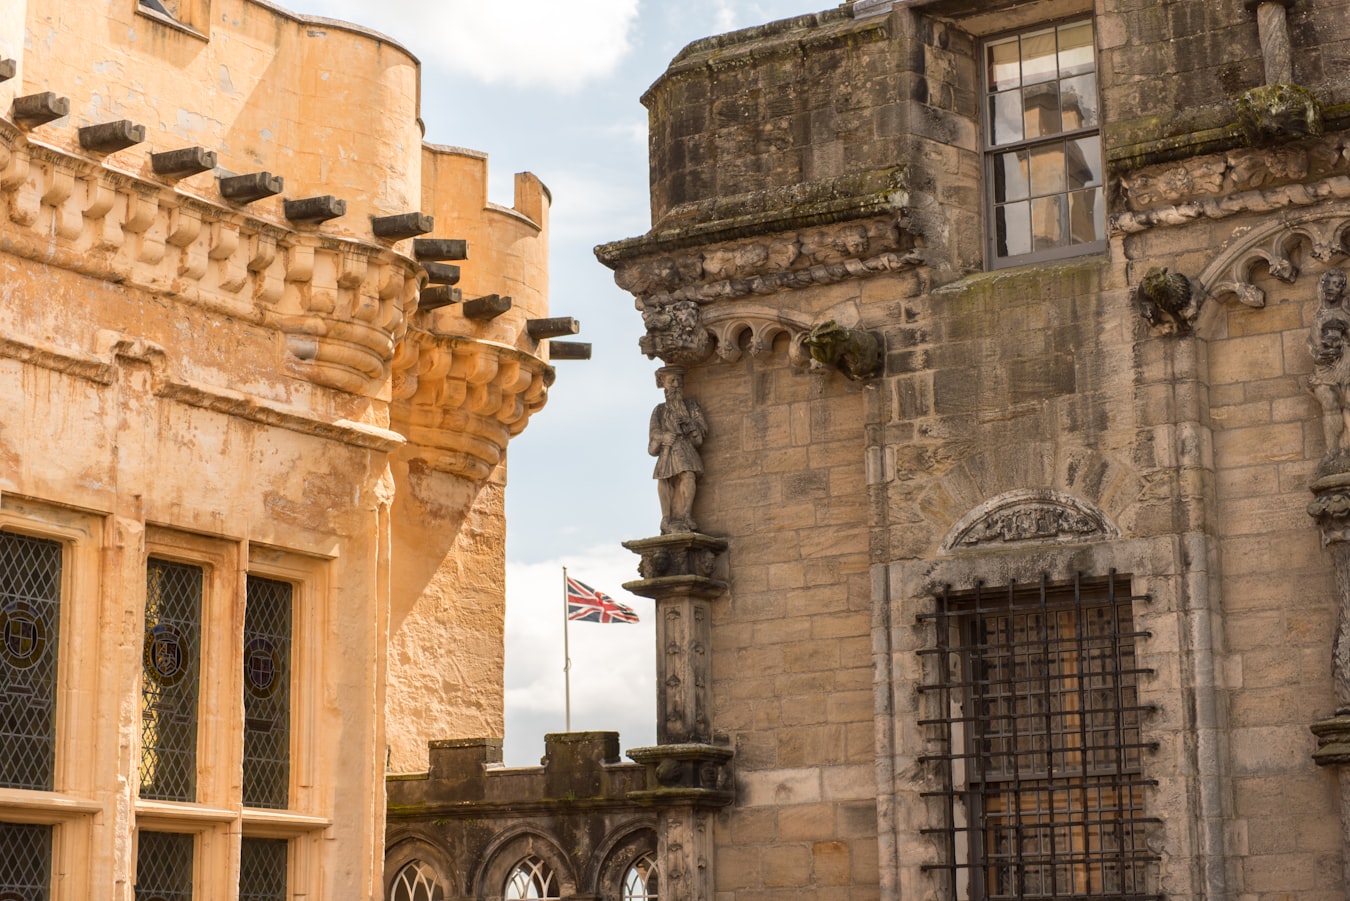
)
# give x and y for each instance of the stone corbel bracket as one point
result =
(341, 304)
(685, 775)
(460, 400)
(1274, 246)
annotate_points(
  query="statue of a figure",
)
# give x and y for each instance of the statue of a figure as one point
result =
(1330, 380)
(677, 431)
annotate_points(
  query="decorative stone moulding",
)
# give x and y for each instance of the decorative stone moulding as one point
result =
(1029, 515)
(460, 400)
(341, 304)
(1273, 247)
(681, 560)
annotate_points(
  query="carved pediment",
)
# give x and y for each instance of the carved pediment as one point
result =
(1029, 515)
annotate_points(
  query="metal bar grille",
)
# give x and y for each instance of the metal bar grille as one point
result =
(30, 621)
(25, 862)
(267, 693)
(262, 869)
(170, 682)
(1038, 724)
(164, 866)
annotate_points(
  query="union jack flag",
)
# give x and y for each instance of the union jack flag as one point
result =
(586, 605)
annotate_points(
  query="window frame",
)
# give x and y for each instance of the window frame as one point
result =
(990, 151)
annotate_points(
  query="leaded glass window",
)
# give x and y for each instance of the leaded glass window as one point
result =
(170, 681)
(267, 693)
(25, 862)
(531, 880)
(640, 882)
(164, 866)
(416, 882)
(262, 869)
(30, 598)
(1043, 145)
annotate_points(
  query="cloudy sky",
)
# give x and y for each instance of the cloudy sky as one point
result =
(552, 87)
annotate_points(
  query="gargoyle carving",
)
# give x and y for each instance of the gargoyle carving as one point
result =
(1166, 298)
(853, 351)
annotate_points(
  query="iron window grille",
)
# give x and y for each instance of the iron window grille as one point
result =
(262, 869)
(531, 880)
(267, 693)
(25, 862)
(170, 681)
(1038, 728)
(164, 866)
(416, 882)
(1042, 145)
(30, 620)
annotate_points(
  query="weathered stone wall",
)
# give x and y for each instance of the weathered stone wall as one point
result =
(1185, 446)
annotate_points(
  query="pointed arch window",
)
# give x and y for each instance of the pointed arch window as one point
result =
(641, 881)
(531, 880)
(416, 882)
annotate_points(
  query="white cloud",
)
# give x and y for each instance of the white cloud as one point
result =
(613, 671)
(526, 43)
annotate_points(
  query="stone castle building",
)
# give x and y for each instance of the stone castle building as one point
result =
(1015, 337)
(261, 354)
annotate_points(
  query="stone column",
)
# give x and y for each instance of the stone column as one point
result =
(1331, 509)
(1273, 28)
(688, 777)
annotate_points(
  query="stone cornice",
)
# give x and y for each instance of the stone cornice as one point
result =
(341, 304)
(460, 400)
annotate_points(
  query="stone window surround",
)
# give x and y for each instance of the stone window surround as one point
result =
(1172, 571)
(70, 808)
(216, 818)
(989, 151)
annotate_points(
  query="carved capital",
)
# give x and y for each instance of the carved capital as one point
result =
(685, 775)
(459, 400)
(682, 563)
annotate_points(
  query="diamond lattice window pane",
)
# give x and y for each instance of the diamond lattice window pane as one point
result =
(164, 866)
(25, 862)
(267, 693)
(169, 685)
(30, 619)
(262, 869)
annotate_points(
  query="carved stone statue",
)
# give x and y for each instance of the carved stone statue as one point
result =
(853, 351)
(1166, 297)
(1330, 380)
(676, 433)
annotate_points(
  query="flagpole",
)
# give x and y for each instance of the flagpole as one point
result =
(567, 661)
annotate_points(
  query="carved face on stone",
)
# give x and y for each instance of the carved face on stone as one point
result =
(1331, 287)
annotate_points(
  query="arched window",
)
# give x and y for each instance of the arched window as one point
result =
(531, 880)
(416, 882)
(640, 882)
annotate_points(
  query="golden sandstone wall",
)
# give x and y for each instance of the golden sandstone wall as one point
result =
(211, 384)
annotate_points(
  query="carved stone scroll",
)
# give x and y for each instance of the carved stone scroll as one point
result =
(1029, 515)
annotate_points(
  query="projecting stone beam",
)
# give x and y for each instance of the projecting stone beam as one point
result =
(441, 273)
(540, 329)
(440, 249)
(8, 69)
(569, 350)
(314, 209)
(110, 137)
(251, 187)
(404, 225)
(489, 306)
(182, 163)
(433, 297)
(32, 110)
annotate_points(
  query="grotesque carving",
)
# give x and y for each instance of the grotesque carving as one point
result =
(853, 351)
(675, 332)
(1166, 298)
(1330, 380)
(677, 431)
(1278, 112)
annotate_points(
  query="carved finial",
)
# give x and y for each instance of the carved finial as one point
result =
(1167, 298)
(853, 351)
